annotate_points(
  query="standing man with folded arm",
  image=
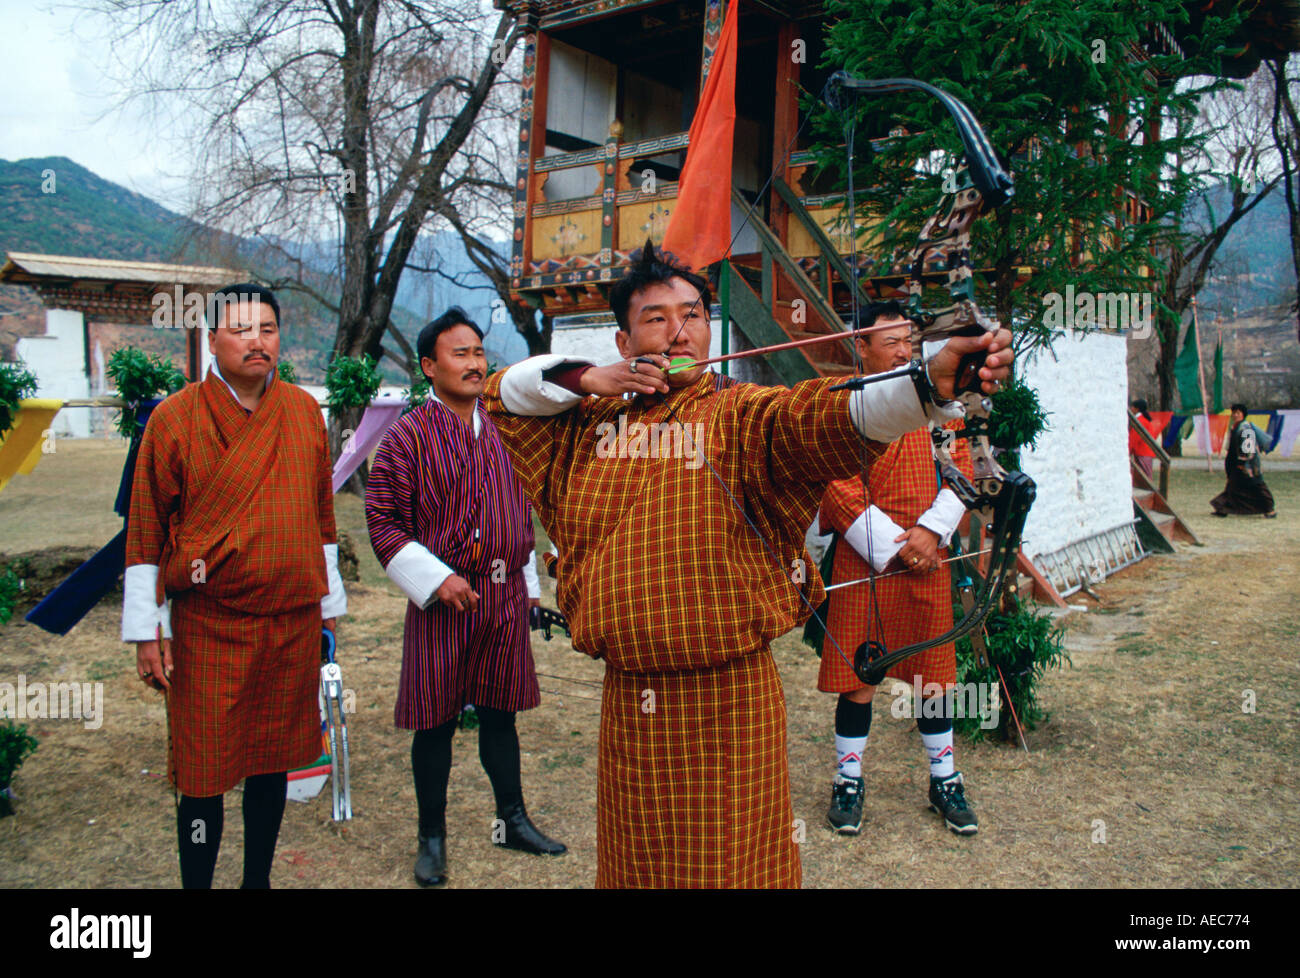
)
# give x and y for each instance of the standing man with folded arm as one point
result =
(912, 604)
(231, 566)
(451, 527)
(680, 574)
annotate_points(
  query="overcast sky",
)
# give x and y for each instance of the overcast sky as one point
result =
(55, 92)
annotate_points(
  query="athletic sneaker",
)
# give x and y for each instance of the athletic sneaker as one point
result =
(948, 798)
(845, 813)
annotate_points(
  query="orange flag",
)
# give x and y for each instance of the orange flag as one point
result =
(699, 230)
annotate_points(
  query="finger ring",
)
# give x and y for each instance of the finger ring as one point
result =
(632, 366)
(916, 560)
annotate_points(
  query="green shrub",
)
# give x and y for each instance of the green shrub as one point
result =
(1024, 644)
(16, 383)
(418, 392)
(1017, 420)
(351, 382)
(11, 585)
(286, 371)
(16, 745)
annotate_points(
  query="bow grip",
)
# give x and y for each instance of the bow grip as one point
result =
(967, 380)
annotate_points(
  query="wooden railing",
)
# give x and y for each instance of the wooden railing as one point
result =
(1156, 447)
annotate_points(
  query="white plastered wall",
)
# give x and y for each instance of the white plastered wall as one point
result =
(1081, 464)
(58, 359)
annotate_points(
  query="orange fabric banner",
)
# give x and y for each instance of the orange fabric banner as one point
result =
(699, 230)
(1219, 429)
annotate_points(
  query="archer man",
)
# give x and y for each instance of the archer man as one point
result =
(680, 575)
(231, 566)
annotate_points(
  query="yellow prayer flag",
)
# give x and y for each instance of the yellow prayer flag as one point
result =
(20, 446)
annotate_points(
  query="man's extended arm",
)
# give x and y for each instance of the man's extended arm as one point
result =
(528, 407)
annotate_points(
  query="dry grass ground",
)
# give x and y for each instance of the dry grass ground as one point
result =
(1147, 736)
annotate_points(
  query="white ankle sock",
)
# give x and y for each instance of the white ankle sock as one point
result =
(848, 754)
(938, 747)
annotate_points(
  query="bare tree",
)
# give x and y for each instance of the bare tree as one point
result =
(1237, 156)
(1285, 130)
(361, 125)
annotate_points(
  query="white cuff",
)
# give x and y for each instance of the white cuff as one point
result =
(418, 573)
(524, 392)
(334, 604)
(876, 546)
(943, 515)
(530, 576)
(815, 541)
(887, 410)
(141, 613)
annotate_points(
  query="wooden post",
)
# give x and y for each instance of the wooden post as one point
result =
(609, 200)
(785, 123)
(1205, 402)
(532, 131)
(715, 11)
(193, 354)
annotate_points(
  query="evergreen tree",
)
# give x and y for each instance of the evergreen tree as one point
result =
(1077, 95)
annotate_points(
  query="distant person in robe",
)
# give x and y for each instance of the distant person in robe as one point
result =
(451, 526)
(1245, 494)
(231, 570)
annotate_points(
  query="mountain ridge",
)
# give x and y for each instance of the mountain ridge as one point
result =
(54, 205)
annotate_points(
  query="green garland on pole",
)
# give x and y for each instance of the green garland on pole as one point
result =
(138, 376)
(16, 383)
(351, 382)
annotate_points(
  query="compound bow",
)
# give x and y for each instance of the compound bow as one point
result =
(1000, 499)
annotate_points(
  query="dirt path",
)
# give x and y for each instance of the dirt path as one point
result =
(1147, 746)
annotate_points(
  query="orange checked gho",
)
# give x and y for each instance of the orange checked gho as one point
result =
(909, 607)
(659, 576)
(235, 510)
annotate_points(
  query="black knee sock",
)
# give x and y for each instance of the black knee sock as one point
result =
(928, 723)
(498, 749)
(852, 719)
(198, 832)
(263, 809)
(431, 765)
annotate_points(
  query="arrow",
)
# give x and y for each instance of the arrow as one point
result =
(686, 363)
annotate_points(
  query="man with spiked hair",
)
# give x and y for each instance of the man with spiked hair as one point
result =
(680, 574)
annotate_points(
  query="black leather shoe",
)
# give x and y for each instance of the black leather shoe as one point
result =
(523, 835)
(431, 866)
